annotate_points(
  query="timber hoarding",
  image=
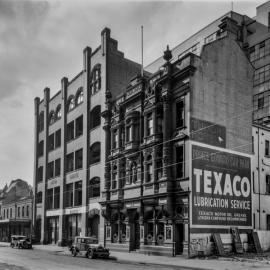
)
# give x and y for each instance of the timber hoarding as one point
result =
(220, 188)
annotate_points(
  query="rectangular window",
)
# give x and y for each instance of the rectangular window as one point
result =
(179, 152)
(266, 148)
(79, 126)
(267, 184)
(56, 200)
(40, 174)
(57, 166)
(27, 210)
(128, 134)
(114, 180)
(149, 126)
(49, 199)
(180, 114)
(268, 222)
(51, 142)
(41, 148)
(115, 139)
(19, 211)
(69, 195)
(58, 138)
(78, 193)
(70, 162)
(149, 172)
(70, 131)
(78, 159)
(50, 170)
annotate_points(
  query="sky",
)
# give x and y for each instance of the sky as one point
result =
(43, 41)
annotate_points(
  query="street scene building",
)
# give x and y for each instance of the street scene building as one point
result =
(156, 160)
(16, 210)
(70, 146)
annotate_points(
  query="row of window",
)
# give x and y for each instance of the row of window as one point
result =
(261, 75)
(72, 132)
(73, 102)
(73, 193)
(259, 50)
(54, 168)
(54, 140)
(8, 213)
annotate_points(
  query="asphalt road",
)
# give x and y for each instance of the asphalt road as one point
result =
(19, 259)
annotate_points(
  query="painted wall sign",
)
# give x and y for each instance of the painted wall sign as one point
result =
(207, 132)
(221, 188)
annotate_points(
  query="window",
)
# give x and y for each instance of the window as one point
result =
(10, 211)
(70, 104)
(23, 211)
(51, 142)
(260, 102)
(115, 139)
(78, 159)
(49, 200)
(69, 195)
(41, 122)
(94, 155)
(40, 174)
(179, 153)
(51, 117)
(56, 200)
(94, 187)
(267, 184)
(133, 173)
(266, 148)
(95, 83)
(27, 210)
(70, 131)
(180, 118)
(128, 134)
(7, 213)
(79, 126)
(268, 222)
(95, 117)
(114, 178)
(79, 96)
(4, 213)
(58, 138)
(19, 211)
(50, 170)
(40, 148)
(261, 75)
(58, 113)
(252, 144)
(78, 193)
(149, 125)
(70, 161)
(57, 167)
(149, 170)
(39, 197)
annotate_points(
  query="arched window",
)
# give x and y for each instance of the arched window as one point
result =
(51, 117)
(71, 103)
(149, 170)
(95, 117)
(94, 187)
(23, 211)
(95, 83)
(79, 96)
(58, 113)
(133, 173)
(27, 210)
(94, 155)
(41, 122)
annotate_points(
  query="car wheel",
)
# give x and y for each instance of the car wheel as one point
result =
(92, 255)
(74, 253)
(12, 245)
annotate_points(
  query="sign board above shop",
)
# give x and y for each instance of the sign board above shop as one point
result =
(220, 188)
(207, 132)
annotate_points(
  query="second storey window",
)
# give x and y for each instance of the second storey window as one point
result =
(94, 154)
(266, 148)
(149, 170)
(70, 131)
(51, 142)
(40, 174)
(78, 159)
(180, 114)
(267, 184)
(58, 138)
(50, 170)
(57, 165)
(179, 153)
(70, 159)
(149, 125)
(79, 126)
(95, 117)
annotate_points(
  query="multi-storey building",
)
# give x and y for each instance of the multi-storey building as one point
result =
(70, 145)
(179, 160)
(16, 210)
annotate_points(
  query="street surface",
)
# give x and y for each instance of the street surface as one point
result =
(22, 259)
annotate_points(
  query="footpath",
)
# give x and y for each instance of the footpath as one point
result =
(220, 263)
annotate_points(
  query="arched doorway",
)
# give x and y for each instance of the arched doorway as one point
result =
(93, 223)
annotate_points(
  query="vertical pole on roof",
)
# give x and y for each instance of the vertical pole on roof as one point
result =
(142, 51)
(232, 5)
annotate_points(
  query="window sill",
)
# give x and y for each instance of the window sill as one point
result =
(93, 164)
(74, 139)
(94, 128)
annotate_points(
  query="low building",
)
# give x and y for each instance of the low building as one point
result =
(16, 210)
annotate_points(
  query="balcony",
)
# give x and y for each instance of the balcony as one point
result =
(154, 138)
(132, 145)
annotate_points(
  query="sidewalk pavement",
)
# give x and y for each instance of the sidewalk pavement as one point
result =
(220, 263)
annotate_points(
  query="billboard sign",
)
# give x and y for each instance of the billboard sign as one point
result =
(207, 132)
(221, 188)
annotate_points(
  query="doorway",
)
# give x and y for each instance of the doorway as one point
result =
(179, 238)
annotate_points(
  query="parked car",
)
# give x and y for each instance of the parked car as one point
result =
(89, 247)
(20, 241)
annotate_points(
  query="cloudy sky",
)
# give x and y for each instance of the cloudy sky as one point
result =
(42, 41)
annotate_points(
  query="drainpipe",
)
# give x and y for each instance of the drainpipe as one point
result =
(259, 177)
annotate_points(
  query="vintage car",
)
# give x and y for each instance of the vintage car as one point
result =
(89, 247)
(20, 241)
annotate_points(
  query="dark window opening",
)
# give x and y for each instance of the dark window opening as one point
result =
(56, 200)
(40, 174)
(70, 162)
(79, 126)
(180, 114)
(78, 193)
(69, 195)
(57, 166)
(41, 148)
(179, 152)
(70, 131)
(50, 170)
(266, 148)
(58, 138)
(94, 155)
(94, 187)
(49, 200)
(78, 159)
(95, 117)
(267, 184)
(51, 142)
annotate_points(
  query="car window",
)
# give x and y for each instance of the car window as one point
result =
(83, 240)
(79, 240)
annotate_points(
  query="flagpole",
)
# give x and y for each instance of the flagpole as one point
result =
(142, 50)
